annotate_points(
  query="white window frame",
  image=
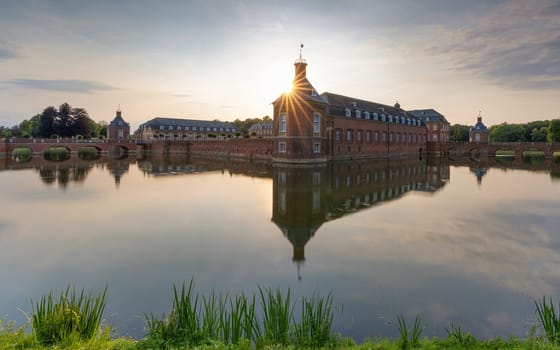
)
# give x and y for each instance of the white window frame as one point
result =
(282, 147)
(316, 147)
(316, 124)
(283, 124)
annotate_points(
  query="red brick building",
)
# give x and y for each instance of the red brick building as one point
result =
(479, 133)
(118, 129)
(309, 127)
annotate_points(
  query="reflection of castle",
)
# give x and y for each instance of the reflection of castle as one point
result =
(306, 197)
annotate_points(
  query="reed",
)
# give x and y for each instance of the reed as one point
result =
(550, 321)
(408, 339)
(317, 315)
(455, 335)
(88, 153)
(277, 317)
(71, 316)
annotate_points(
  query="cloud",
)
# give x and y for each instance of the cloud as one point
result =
(182, 95)
(78, 86)
(6, 53)
(515, 45)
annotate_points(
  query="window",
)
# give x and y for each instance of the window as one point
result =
(383, 117)
(316, 124)
(170, 127)
(161, 127)
(368, 136)
(359, 136)
(374, 116)
(347, 112)
(397, 137)
(434, 137)
(376, 136)
(282, 177)
(358, 114)
(283, 125)
(316, 147)
(366, 115)
(194, 128)
(435, 127)
(349, 135)
(178, 128)
(337, 135)
(186, 128)
(384, 136)
(476, 137)
(282, 147)
(391, 137)
(390, 118)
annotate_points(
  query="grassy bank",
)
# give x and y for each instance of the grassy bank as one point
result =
(505, 153)
(88, 153)
(22, 154)
(265, 320)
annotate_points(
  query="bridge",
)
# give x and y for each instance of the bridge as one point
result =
(39, 146)
(478, 150)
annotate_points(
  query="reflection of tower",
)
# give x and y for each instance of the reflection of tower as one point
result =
(118, 169)
(299, 205)
(479, 173)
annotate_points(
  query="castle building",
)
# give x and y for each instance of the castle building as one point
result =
(479, 132)
(261, 130)
(175, 129)
(437, 127)
(312, 127)
(118, 129)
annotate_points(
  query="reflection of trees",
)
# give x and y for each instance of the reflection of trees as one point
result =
(63, 175)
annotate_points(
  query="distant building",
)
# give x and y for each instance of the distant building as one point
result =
(118, 129)
(261, 130)
(437, 127)
(312, 127)
(185, 129)
(479, 133)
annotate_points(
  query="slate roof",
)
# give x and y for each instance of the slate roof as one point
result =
(339, 103)
(479, 126)
(179, 122)
(118, 121)
(428, 115)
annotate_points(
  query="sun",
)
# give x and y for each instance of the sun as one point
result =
(275, 82)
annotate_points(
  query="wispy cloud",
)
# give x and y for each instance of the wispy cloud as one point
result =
(182, 95)
(7, 51)
(78, 86)
(515, 45)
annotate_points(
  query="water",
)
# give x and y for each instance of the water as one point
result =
(473, 243)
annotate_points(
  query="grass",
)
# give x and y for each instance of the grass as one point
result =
(505, 153)
(88, 153)
(56, 153)
(70, 317)
(22, 154)
(530, 153)
(73, 321)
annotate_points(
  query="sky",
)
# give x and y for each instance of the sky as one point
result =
(230, 59)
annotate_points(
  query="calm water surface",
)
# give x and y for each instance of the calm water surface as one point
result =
(463, 242)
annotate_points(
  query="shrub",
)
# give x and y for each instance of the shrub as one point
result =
(22, 154)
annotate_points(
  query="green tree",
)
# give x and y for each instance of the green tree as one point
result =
(459, 132)
(554, 130)
(539, 135)
(81, 123)
(47, 122)
(64, 120)
(507, 133)
(5, 132)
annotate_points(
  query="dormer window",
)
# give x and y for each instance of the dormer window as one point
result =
(366, 115)
(374, 116)
(170, 127)
(161, 127)
(348, 112)
(178, 128)
(358, 113)
(381, 109)
(383, 117)
(313, 93)
(396, 119)
(402, 120)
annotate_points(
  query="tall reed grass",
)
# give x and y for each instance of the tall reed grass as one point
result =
(550, 320)
(195, 320)
(71, 316)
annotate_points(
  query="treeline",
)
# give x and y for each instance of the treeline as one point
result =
(535, 131)
(64, 121)
(245, 125)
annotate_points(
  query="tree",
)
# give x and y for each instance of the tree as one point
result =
(64, 120)
(539, 135)
(507, 133)
(459, 132)
(81, 123)
(47, 122)
(554, 130)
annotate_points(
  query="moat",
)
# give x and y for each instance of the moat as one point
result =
(462, 241)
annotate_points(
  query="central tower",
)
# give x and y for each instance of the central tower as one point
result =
(299, 131)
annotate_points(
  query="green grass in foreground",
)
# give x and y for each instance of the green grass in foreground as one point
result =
(73, 321)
